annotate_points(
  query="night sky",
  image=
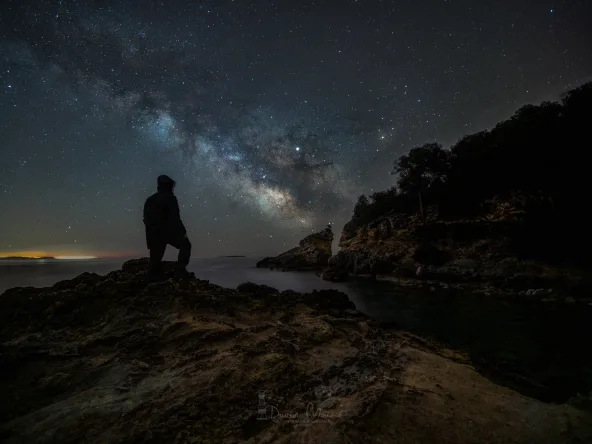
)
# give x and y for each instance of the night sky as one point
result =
(273, 116)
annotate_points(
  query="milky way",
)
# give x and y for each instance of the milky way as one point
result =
(272, 116)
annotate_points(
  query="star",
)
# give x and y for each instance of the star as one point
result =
(109, 99)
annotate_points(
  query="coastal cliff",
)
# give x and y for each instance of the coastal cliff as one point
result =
(312, 253)
(500, 207)
(116, 359)
(483, 254)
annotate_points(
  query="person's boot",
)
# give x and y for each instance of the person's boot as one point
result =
(182, 273)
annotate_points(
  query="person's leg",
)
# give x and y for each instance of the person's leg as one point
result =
(156, 254)
(184, 247)
(184, 254)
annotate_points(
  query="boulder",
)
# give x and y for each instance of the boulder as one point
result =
(135, 265)
(335, 274)
(312, 253)
(333, 261)
(250, 287)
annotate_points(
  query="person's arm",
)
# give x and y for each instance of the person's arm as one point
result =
(144, 213)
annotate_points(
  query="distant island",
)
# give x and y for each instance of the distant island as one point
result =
(25, 258)
(236, 255)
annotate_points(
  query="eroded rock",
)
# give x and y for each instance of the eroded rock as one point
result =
(312, 253)
(119, 359)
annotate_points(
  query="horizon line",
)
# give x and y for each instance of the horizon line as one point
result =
(87, 257)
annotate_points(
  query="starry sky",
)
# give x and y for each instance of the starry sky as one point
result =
(272, 116)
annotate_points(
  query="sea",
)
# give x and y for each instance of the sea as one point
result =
(224, 271)
(518, 334)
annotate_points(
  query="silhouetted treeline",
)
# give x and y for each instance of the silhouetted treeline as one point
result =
(539, 154)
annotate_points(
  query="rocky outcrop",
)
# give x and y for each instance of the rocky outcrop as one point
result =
(357, 261)
(388, 244)
(334, 274)
(117, 359)
(312, 253)
(484, 250)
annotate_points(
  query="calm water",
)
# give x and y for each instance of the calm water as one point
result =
(545, 344)
(223, 271)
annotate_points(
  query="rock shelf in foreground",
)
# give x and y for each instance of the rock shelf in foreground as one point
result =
(116, 359)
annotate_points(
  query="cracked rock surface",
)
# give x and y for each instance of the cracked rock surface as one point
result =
(118, 359)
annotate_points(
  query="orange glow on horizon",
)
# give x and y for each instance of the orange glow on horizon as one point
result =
(25, 254)
(72, 254)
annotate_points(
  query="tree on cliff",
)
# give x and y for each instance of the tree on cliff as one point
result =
(538, 156)
(368, 209)
(422, 171)
(361, 206)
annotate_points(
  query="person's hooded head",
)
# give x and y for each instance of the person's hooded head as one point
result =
(165, 183)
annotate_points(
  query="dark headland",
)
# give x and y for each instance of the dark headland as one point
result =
(26, 258)
(502, 211)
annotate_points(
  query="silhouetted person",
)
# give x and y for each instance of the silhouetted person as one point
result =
(164, 227)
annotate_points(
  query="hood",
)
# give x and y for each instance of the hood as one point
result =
(165, 183)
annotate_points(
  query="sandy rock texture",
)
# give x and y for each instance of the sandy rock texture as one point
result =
(116, 359)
